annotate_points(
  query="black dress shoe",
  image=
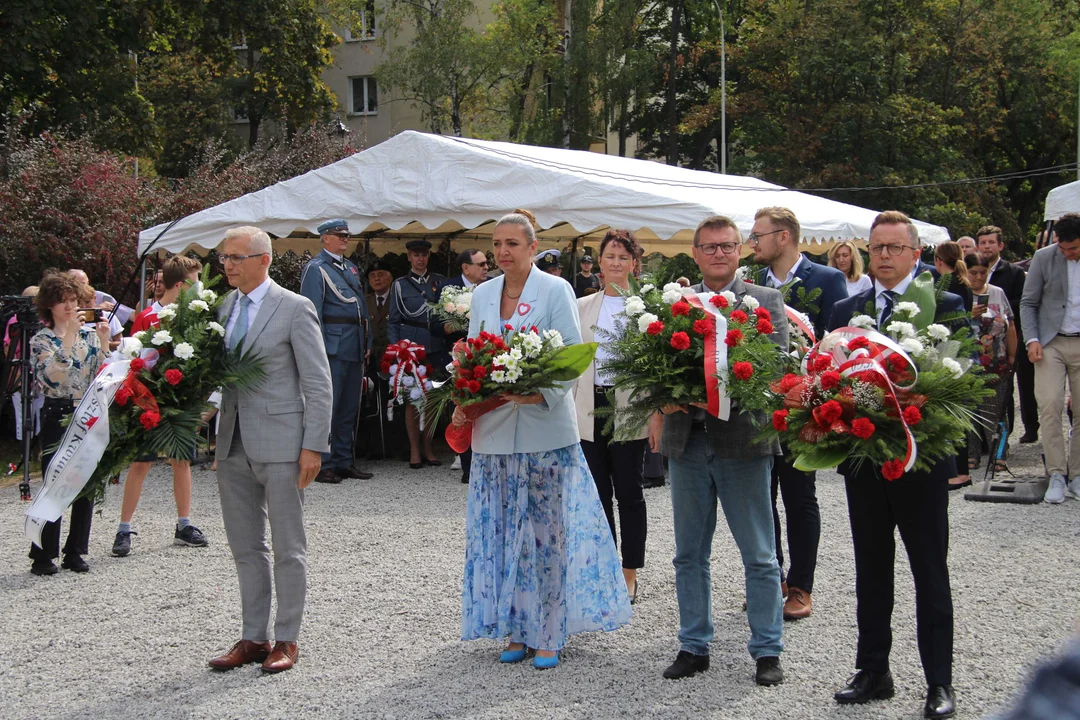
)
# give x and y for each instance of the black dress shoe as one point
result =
(1029, 437)
(940, 702)
(44, 567)
(464, 478)
(75, 563)
(769, 671)
(653, 482)
(864, 686)
(686, 664)
(354, 474)
(432, 463)
(416, 466)
(328, 476)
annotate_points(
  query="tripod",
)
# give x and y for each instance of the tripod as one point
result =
(18, 371)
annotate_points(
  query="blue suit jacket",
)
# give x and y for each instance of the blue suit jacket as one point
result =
(812, 275)
(856, 305)
(338, 294)
(548, 303)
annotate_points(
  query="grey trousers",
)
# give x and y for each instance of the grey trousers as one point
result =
(250, 493)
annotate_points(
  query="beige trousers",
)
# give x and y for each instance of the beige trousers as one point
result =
(1061, 361)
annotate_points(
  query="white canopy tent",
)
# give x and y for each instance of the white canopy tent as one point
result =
(420, 185)
(1062, 199)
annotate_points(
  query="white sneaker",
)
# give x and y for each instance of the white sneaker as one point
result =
(1073, 489)
(457, 466)
(1055, 492)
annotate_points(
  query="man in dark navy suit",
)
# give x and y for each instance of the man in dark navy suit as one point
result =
(917, 503)
(775, 239)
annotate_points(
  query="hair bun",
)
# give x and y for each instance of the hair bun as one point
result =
(531, 218)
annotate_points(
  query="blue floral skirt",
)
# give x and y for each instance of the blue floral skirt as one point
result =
(540, 562)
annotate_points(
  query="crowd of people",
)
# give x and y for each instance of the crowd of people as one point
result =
(552, 498)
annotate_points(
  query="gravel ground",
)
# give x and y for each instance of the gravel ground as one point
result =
(131, 638)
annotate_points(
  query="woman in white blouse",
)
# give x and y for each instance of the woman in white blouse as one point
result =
(846, 258)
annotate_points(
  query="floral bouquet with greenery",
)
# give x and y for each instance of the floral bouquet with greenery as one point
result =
(171, 371)
(488, 367)
(673, 346)
(453, 307)
(898, 398)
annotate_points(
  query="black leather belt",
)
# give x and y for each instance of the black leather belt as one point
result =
(341, 321)
(415, 323)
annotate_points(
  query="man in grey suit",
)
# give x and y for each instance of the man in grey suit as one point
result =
(713, 459)
(270, 441)
(1050, 319)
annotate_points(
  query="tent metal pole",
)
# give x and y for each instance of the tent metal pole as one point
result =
(142, 281)
(573, 261)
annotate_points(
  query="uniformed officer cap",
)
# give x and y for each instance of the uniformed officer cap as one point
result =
(546, 261)
(378, 265)
(418, 245)
(333, 226)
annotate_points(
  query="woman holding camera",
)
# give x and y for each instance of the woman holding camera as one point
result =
(65, 358)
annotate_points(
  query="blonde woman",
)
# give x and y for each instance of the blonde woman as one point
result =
(846, 258)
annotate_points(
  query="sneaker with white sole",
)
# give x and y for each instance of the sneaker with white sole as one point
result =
(190, 536)
(457, 464)
(1055, 492)
(1072, 490)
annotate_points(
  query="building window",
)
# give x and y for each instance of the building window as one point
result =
(364, 24)
(365, 96)
(240, 114)
(239, 41)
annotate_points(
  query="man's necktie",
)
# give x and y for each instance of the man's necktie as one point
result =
(241, 327)
(379, 302)
(890, 301)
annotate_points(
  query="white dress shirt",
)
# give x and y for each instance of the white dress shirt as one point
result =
(772, 281)
(467, 283)
(1071, 322)
(879, 294)
(854, 287)
(257, 296)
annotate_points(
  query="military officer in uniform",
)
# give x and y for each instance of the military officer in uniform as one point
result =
(411, 319)
(332, 283)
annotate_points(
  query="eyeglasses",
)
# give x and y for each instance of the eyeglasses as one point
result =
(710, 248)
(755, 238)
(237, 259)
(893, 250)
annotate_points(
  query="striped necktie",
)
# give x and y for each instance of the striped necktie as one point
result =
(240, 329)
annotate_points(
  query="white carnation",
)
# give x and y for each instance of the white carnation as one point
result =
(416, 393)
(938, 333)
(167, 312)
(741, 272)
(912, 346)
(421, 370)
(730, 297)
(685, 291)
(216, 327)
(647, 287)
(184, 351)
(901, 329)
(408, 381)
(908, 308)
(645, 321)
(751, 302)
(670, 297)
(198, 306)
(130, 347)
(634, 306)
(952, 366)
(862, 321)
(554, 338)
(672, 287)
(161, 337)
(143, 336)
(207, 296)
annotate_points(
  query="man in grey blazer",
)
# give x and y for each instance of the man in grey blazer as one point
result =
(710, 460)
(270, 441)
(1050, 319)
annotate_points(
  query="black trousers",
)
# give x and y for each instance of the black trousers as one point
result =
(616, 469)
(803, 521)
(82, 510)
(918, 505)
(466, 462)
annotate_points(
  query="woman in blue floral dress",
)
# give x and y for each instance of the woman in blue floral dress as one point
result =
(540, 563)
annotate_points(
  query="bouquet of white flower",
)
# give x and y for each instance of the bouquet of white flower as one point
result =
(453, 307)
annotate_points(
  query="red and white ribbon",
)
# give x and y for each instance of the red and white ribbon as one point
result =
(716, 360)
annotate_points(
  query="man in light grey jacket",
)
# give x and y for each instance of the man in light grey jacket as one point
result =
(270, 441)
(1050, 318)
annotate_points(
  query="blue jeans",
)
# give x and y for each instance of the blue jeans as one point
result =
(698, 479)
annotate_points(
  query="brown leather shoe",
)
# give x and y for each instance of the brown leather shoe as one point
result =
(282, 658)
(242, 653)
(798, 605)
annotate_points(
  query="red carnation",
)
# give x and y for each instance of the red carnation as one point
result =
(897, 363)
(655, 328)
(779, 419)
(123, 395)
(90, 422)
(734, 337)
(862, 428)
(533, 329)
(173, 376)
(738, 316)
(743, 370)
(421, 354)
(763, 314)
(703, 327)
(137, 364)
(822, 363)
(828, 413)
(829, 380)
(480, 372)
(680, 340)
(719, 301)
(474, 386)
(789, 381)
(680, 308)
(892, 470)
(461, 383)
(858, 343)
(912, 415)
(150, 419)
(508, 326)
(985, 360)
(764, 327)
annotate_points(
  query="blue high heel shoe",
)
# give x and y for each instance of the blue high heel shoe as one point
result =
(544, 663)
(512, 656)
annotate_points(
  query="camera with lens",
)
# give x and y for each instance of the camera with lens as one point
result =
(91, 315)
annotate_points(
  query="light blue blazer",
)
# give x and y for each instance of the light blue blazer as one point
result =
(548, 303)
